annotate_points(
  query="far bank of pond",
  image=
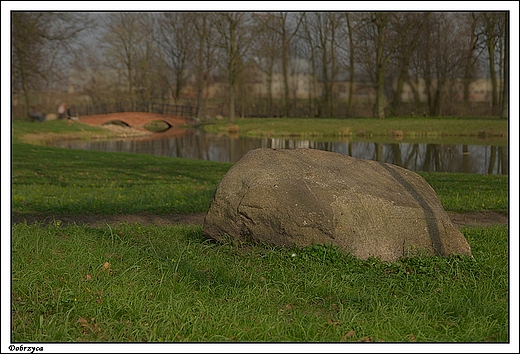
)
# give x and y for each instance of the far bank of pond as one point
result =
(478, 157)
(405, 128)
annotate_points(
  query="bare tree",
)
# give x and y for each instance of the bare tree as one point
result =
(40, 47)
(266, 52)
(407, 28)
(351, 57)
(123, 35)
(505, 92)
(311, 44)
(279, 23)
(329, 62)
(176, 40)
(473, 45)
(130, 49)
(147, 64)
(375, 36)
(490, 24)
(501, 52)
(87, 75)
(203, 56)
(440, 58)
(321, 33)
(234, 39)
(381, 22)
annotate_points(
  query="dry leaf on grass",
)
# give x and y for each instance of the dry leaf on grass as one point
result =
(89, 325)
(347, 335)
(331, 321)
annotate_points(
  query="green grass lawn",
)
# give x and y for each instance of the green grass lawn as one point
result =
(148, 283)
(135, 283)
(55, 180)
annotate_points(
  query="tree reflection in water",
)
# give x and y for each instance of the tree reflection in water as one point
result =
(481, 159)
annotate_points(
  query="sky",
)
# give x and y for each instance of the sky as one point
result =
(81, 6)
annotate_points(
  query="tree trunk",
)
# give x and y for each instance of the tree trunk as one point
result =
(285, 70)
(380, 94)
(314, 91)
(491, 23)
(469, 62)
(231, 103)
(380, 63)
(505, 91)
(351, 64)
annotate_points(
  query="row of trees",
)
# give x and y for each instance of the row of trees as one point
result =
(159, 55)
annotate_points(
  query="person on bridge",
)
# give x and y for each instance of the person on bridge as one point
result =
(61, 110)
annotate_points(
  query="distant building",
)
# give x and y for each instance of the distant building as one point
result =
(264, 77)
(479, 90)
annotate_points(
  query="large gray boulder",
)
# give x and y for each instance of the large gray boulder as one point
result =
(305, 196)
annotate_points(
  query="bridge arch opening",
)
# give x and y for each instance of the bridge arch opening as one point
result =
(157, 125)
(117, 122)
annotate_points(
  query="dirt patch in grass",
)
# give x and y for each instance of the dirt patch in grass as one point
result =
(100, 220)
(472, 219)
(480, 218)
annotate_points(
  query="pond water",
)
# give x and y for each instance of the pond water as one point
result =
(197, 144)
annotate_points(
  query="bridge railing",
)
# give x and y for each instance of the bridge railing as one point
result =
(126, 106)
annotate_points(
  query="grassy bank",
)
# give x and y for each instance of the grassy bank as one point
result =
(44, 133)
(139, 283)
(413, 129)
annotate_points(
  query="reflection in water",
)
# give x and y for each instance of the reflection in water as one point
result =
(197, 144)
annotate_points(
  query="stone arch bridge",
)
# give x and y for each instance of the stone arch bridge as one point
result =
(137, 120)
(133, 114)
